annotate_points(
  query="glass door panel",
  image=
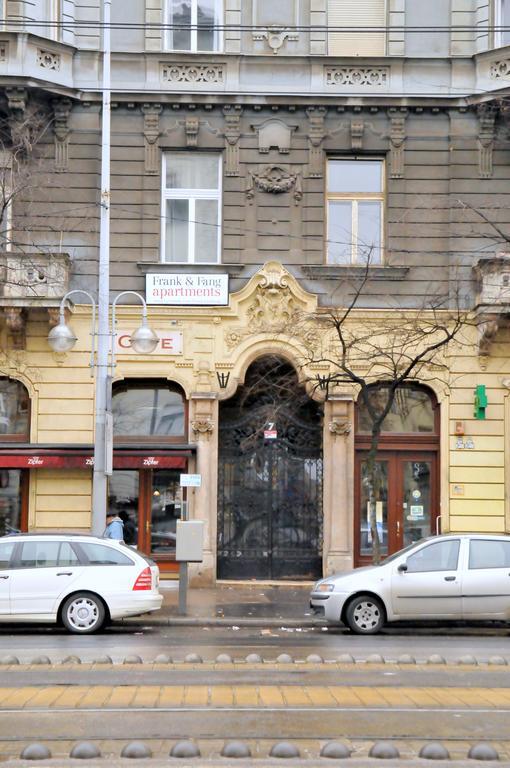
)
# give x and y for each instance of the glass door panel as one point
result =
(10, 501)
(416, 500)
(166, 509)
(123, 498)
(380, 494)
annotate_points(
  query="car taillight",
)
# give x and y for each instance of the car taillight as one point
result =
(144, 580)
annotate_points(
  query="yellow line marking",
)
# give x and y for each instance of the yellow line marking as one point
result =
(295, 696)
(345, 697)
(122, 696)
(171, 696)
(271, 696)
(246, 696)
(320, 697)
(396, 697)
(146, 696)
(95, 698)
(18, 697)
(222, 696)
(71, 696)
(196, 696)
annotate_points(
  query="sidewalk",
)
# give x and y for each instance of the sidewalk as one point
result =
(239, 604)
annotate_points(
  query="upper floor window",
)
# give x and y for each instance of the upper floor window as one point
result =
(355, 201)
(147, 410)
(191, 230)
(14, 410)
(502, 22)
(413, 410)
(193, 25)
(349, 18)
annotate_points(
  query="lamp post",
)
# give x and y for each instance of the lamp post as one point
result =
(143, 340)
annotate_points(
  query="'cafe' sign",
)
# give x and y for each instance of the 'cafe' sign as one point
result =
(187, 289)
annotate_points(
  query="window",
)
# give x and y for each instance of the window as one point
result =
(412, 411)
(193, 25)
(6, 185)
(6, 550)
(14, 410)
(489, 554)
(191, 229)
(502, 23)
(39, 554)
(355, 192)
(440, 556)
(99, 554)
(354, 15)
(144, 410)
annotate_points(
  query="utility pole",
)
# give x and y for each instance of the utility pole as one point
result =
(101, 461)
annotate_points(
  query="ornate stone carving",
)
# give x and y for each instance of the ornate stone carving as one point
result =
(151, 133)
(357, 131)
(48, 59)
(202, 426)
(397, 139)
(355, 77)
(273, 306)
(16, 101)
(275, 180)
(275, 37)
(487, 114)
(209, 74)
(274, 133)
(232, 133)
(316, 134)
(61, 111)
(499, 69)
(16, 320)
(340, 427)
(191, 128)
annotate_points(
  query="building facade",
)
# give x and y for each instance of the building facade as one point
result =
(262, 155)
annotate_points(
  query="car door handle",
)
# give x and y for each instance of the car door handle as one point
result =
(65, 573)
(4, 577)
(450, 578)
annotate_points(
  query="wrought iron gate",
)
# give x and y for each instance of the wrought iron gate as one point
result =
(270, 497)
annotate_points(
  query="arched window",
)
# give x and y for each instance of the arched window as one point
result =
(148, 411)
(413, 411)
(14, 410)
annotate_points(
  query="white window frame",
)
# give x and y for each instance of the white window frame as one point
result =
(355, 198)
(194, 31)
(192, 195)
(498, 21)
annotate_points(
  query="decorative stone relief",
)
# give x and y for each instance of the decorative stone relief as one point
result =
(397, 139)
(487, 118)
(209, 74)
(232, 133)
(275, 37)
(61, 111)
(191, 128)
(16, 321)
(273, 305)
(357, 131)
(274, 133)
(340, 427)
(203, 376)
(48, 60)
(17, 100)
(499, 69)
(151, 133)
(355, 77)
(275, 180)
(316, 134)
(202, 426)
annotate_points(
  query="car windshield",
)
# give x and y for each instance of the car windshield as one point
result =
(403, 551)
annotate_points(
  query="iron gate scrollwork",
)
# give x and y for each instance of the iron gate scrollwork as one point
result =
(270, 491)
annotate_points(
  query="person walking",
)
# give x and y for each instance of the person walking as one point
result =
(114, 527)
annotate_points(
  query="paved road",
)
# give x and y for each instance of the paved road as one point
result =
(148, 642)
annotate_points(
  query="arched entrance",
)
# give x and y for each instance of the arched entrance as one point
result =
(270, 478)
(407, 480)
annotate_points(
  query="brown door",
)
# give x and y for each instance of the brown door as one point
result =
(406, 498)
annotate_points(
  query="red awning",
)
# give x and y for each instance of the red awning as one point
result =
(63, 459)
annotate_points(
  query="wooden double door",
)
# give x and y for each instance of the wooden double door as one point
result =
(406, 498)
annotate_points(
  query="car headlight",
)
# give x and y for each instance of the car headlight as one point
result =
(324, 588)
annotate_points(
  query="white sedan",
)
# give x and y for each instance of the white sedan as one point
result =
(450, 577)
(78, 581)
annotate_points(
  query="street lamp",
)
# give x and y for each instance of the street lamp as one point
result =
(143, 340)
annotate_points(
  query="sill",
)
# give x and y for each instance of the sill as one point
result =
(187, 268)
(353, 272)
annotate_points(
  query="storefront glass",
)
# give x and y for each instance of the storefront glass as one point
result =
(14, 408)
(10, 501)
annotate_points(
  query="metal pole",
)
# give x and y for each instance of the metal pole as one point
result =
(183, 570)
(99, 487)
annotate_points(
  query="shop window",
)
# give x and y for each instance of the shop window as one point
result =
(350, 18)
(193, 25)
(502, 23)
(191, 231)
(14, 410)
(412, 412)
(355, 205)
(148, 411)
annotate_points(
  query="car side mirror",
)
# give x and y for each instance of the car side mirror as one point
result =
(402, 568)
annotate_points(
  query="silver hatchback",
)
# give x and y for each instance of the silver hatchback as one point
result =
(451, 577)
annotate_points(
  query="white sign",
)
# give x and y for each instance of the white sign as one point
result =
(170, 343)
(190, 289)
(191, 481)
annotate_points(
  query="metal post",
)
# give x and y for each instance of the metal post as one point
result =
(183, 570)
(99, 487)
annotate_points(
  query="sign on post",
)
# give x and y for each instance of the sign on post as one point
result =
(190, 481)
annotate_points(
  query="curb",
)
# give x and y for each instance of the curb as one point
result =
(217, 621)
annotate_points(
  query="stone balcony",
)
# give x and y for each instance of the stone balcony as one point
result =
(492, 305)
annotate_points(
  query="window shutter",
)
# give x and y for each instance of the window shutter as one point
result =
(356, 13)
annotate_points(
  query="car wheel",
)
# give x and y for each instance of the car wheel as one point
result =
(83, 613)
(365, 615)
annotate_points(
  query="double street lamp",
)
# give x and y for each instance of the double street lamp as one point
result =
(143, 340)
